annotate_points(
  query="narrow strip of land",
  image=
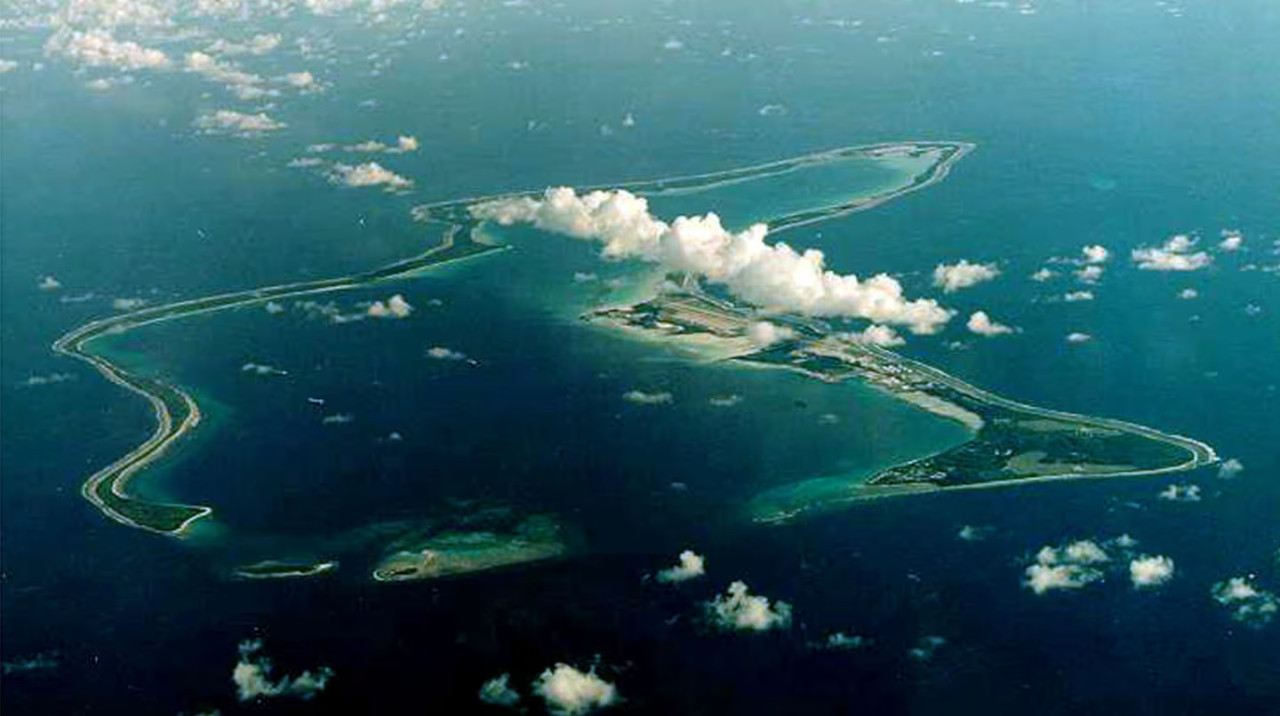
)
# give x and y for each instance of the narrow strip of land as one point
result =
(176, 412)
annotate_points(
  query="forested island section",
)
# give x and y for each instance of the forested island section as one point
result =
(1012, 442)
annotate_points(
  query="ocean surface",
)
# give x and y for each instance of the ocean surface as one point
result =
(1094, 123)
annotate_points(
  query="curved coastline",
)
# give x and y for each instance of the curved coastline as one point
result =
(177, 413)
(108, 488)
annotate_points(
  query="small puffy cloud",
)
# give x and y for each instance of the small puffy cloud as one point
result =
(840, 641)
(300, 80)
(1078, 337)
(1072, 566)
(953, 277)
(1125, 541)
(691, 566)
(1089, 274)
(404, 144)
(49, 283)
(1230, 468)
(926, 647)
(640, 397)
(304, 162)
(1232, 240)
(1147, 572)
(1187, 294)
(103, 84)
(972, 533)
(273, 308)
(442, 353)
(1174, 255)
(740, 610)
(1181, 493)
(98, 48)
(338, 419)
(244, 85)
(260, 44)
(725, 401)
(981, 324)
(368, 174)
(1073, 296)
(256, 45)
(673, 44)
(1042, 275)
(240, 124)
(50, 379)
(1248, 603)
(128, 304)
(498, 691)
(1095, 254)
(876, 335)
(764, 333)
(394, 307)
(570, 692)
(252, 677)
(7, 66)
(775, 276)
(262, 369)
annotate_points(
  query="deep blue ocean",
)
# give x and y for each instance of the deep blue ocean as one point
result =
(1095, 123)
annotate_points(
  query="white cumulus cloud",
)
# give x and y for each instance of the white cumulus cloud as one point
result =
(1174, 255)
(1248, 603)
(738, 609)
(394, 307)
(1230, 468)
(1089, 274)
(875, 335)
(1181, 493)
(240, 124)
(368, 174)
(640, 397)
(499, 692)
(775, 276)
(1147, 572)
(953, 277)
(691, 566)
(981, 324)
(252, 677)
(764, 333)
(1072, 566)
(1232, 240)
(1095, 254)
(97, 47)
(442, 353)
(244, 85)
(570, 692)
